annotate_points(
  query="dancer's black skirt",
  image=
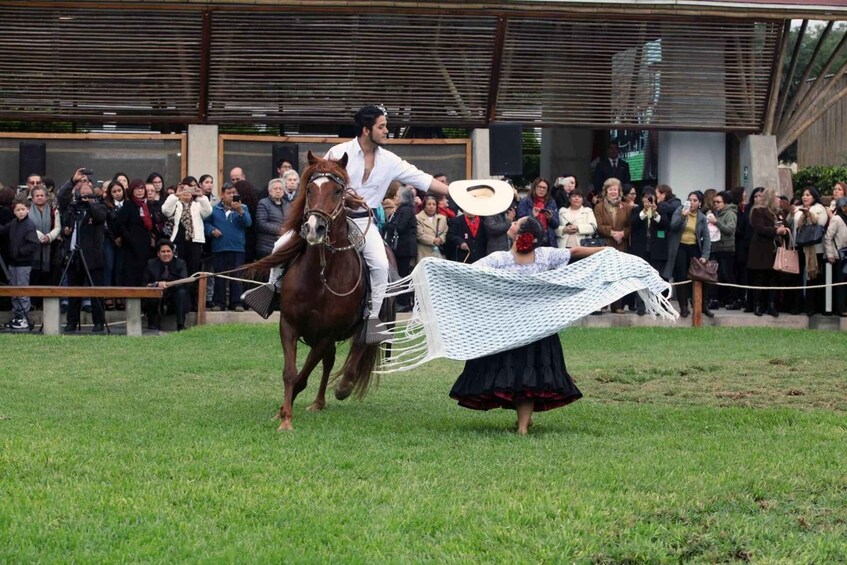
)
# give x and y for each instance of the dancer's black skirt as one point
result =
(534, 372)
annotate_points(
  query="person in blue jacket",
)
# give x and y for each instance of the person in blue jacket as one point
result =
(227, 226)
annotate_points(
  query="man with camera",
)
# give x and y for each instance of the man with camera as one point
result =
(83, 232)
(227, 226)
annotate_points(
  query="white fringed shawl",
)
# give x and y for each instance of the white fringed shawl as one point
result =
(464, 311)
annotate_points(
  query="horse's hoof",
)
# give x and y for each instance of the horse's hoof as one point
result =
(284, 426)
(315, 407)
(343, 390)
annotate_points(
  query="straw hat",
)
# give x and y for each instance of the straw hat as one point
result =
(482, 197)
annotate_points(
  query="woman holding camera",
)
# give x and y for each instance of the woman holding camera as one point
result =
(187, 209)
(539, 204)
(810, 214)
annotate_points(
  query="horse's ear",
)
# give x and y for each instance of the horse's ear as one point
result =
(311, 158)
(343, 161)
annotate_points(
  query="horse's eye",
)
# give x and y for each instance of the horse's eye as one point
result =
(338, 191)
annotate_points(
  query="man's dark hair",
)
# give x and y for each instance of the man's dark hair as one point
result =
(162, 242)
(281, 161)
(366, 117)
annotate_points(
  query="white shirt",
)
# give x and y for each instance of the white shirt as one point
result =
(387, 167)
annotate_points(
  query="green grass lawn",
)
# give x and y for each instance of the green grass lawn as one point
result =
(690, 445)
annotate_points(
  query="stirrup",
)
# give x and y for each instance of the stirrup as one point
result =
(375, 334)
(261, 299)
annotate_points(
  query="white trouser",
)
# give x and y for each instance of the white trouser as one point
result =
(375, 258)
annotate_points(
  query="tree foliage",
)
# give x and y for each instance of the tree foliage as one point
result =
(822, 178)
(810, 41)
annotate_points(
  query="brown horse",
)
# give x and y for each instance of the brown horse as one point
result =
(323, 288)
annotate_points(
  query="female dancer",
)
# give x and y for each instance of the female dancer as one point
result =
(532, 377)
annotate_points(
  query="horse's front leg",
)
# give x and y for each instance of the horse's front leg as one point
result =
(295, 386)
(328, 362)
(289, 374)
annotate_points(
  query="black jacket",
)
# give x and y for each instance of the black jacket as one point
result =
(154, 272)
(92, 230)
(458, 232)
(407, 231)
(605, 171)
(20, 242)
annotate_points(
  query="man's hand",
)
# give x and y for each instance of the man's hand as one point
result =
(238, 208)
(78, 175)
(437, 241)
(464, 247)
(216, 233)
(45, 239)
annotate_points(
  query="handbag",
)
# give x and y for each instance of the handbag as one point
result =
(391, 235)
(810, 234)
(592, 241)
(842, 255)
(786, 260)
(704, 272)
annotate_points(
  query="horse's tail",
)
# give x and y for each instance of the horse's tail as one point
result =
(359, 367)
(281, 256)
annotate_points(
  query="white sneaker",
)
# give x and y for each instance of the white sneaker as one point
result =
(19, 324)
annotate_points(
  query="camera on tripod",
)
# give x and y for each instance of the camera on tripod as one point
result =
(80, 204)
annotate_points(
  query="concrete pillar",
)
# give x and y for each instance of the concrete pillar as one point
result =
(692, 161)
(567, 150)
(480, 157)
(759, 162)
(203, 151)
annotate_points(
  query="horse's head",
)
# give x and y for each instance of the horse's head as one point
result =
(325, 185)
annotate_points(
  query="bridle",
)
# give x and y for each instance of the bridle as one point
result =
(329, 218)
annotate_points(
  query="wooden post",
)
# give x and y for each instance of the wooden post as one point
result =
(697, 304)
(201, 301)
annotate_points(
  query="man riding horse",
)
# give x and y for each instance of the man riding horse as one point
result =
(371, 169)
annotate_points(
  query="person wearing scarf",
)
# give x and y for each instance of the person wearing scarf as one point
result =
(613, 221)
(466, 238)
(187, 209)
(135, 226)
(539, 204)
(48, 228)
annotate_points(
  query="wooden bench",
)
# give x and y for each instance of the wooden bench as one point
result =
(52, 295)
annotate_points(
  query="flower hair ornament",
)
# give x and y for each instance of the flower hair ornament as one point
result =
(525, 242)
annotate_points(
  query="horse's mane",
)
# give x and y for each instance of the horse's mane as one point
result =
(295, 216)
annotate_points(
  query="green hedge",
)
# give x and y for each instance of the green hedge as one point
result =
(822, 178)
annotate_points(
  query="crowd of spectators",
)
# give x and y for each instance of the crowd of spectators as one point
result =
(739, 231)
(144, 232)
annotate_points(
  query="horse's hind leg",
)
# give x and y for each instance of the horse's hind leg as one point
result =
(328, 362)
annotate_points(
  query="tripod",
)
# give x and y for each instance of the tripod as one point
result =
(5, 269)
(77, 252)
